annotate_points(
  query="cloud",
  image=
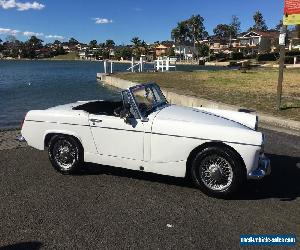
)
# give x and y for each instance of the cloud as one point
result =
(137, 9)
(55, 37)
(4, 31)
(9, 4)
(99, 20)
(30, 33)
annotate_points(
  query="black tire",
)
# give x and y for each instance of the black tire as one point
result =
(218, 171)
(65, 154)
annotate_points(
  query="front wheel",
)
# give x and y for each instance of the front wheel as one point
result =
(65, 153)
(217, 171)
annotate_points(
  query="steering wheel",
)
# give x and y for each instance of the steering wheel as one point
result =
(143, 107)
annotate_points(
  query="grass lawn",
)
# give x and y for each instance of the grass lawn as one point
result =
(255, 89)
(69, 56)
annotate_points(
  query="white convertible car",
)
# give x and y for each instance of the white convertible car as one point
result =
(218, 149)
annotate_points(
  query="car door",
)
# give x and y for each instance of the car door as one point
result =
(113, 137)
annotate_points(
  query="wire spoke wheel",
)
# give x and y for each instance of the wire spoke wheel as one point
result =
(64, 154)
(216, 172)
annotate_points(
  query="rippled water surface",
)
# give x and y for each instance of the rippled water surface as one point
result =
(26, 85)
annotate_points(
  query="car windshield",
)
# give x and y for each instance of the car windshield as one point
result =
(148, 98)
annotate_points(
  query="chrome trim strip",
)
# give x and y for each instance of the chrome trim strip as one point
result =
(140, 131)
(63, 123)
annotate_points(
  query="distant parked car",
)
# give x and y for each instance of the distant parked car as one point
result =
(218, 149)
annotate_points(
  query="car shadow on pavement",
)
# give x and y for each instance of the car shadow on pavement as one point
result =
(95, 169)
(32, 245)
(283, 182)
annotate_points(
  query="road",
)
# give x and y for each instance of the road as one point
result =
(107, 208)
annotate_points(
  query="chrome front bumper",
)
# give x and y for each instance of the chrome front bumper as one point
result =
(263, 169)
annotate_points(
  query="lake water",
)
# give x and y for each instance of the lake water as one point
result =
(26, 85)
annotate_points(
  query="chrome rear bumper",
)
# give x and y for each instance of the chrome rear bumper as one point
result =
(263, 169)
(20, 138)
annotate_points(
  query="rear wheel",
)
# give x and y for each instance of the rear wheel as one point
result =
(65, 153)
(217, 171)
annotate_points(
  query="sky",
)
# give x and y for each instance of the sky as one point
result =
(121, 20)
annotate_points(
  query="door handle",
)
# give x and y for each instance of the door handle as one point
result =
(95, 120)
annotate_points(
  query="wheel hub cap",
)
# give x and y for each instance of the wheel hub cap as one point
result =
(216, 173)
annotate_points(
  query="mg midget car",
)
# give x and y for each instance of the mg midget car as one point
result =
(218, 149)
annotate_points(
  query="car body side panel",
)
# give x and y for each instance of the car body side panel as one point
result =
(38, 124)
(176, 169)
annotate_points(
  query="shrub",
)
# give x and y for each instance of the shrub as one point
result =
(237, 55)
(293, 53)
(221, 57)
(268, 57)
(289, 60)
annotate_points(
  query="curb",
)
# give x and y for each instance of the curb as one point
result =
(266, 121)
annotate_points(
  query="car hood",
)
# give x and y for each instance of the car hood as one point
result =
(207, 124)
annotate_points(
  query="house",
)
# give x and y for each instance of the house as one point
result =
(82, 54)
(161, 50)
(44, 53)
(66, 48)
(256, 42)
(185, 52)
(294, 40)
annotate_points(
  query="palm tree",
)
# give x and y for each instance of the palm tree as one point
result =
(136, 44)
(136, 41)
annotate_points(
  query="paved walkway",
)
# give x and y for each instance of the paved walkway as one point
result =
(8, 140)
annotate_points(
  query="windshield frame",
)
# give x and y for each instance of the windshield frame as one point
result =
(154, 108)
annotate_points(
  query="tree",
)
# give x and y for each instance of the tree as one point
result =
(191, 30)
(259, 22)
(279, 25)
(203, 50)
(109, 44)
(93, 43)
(180, 33)
(222, 31)
(31, 46)
(136, 41)
(196, 29)
(235, 26)
(73, 41)
(35, 42)
(1, 40)
(57, 42)
(125, 53)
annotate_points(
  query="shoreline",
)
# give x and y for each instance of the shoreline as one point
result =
(210, 64)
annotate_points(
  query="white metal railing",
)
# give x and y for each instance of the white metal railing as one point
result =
(164, 64)
(140, 65)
